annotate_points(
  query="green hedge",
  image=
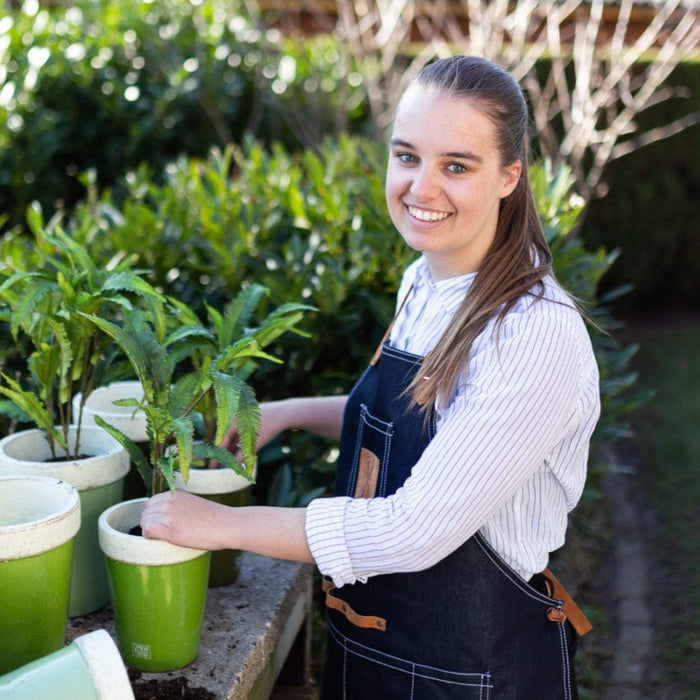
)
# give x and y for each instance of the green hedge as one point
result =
(111, 84)
(652, 211)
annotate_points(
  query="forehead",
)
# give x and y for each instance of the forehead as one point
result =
(430, 116)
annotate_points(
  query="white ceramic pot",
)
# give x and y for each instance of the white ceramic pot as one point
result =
(129, 421)
(100, 402)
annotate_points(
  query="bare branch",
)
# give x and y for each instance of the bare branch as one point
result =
(588, 74)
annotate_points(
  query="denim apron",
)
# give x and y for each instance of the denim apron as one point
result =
(467, 627)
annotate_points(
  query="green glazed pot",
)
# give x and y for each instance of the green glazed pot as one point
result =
(222, 486)
(99, 478)
(131, 422)
(89, 668)
(158, 592)
(39, 518)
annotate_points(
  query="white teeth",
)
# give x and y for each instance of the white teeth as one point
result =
(423, 215)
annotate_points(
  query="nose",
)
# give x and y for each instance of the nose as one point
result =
(424, 186)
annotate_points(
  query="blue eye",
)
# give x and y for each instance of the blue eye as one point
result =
(406, 157)
(456, 168)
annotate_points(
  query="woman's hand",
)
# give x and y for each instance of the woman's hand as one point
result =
(274, 419)
(184, 519)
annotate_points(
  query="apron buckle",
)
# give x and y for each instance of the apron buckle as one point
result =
(570, 611)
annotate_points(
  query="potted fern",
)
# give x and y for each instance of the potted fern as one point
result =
(225, 485)
(187, 369)
(48, 286)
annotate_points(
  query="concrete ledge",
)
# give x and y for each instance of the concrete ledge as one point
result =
(249, 630)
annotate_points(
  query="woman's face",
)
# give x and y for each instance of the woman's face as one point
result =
(444, 179)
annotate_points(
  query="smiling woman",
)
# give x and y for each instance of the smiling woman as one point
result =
(464, 444)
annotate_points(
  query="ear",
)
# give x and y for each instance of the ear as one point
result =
(511, 177)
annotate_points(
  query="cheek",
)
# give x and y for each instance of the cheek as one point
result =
(396, 182)
(392, 190)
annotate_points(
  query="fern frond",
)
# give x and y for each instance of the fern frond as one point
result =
(204, 451)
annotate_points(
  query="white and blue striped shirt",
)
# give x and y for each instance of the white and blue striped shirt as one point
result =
(509, 455)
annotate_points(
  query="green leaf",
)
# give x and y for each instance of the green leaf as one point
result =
(186, 392)
(148, 358)
(166, 466)
(248, 425)
(224, 457)
(35, 219)
(127, 281)
(30, 404)
(135, 454)
(237, 314)
(227, 389)
(183, 430)
(66, 357)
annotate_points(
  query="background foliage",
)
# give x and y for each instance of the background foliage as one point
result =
(652, 211)
(111, 84)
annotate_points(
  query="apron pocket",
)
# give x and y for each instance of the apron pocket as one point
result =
(371, 455)
(356, 672)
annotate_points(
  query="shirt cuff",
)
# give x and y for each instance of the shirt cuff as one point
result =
(325, 534)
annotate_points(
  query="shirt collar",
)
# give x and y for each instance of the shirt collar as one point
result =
(451, 291)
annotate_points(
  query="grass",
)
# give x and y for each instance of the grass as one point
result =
(667, 457)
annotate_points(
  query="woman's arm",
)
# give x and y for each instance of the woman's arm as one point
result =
(190, 521)
(184, 519)
(322, 415)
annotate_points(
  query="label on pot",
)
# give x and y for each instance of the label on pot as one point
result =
(141, 651)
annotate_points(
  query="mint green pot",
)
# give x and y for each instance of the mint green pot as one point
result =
(225, 486)
(99, 479)
(158, 592)
(89, 668)
(39, 519)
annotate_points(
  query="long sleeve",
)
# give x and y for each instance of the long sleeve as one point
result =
(508, 459)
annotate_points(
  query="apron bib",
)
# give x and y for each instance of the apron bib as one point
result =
(467, 627)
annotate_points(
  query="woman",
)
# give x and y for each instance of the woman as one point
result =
(464, 444)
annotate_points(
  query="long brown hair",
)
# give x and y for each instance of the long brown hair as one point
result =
(519, 257)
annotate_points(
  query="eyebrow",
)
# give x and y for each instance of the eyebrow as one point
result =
(464, 155)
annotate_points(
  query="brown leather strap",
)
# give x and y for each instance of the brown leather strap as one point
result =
(364, 621)
(570, 611)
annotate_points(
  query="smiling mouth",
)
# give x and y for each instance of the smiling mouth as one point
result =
(424, 215)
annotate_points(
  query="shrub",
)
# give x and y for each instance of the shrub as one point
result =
(651, 211)
(112, 84)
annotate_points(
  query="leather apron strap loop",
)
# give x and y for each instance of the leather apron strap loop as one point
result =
(364, 621)
(570, 611)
